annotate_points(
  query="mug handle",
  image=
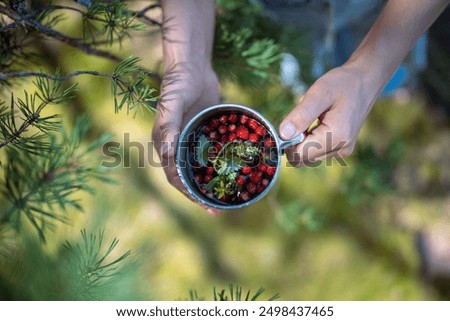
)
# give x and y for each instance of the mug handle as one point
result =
(291, 142)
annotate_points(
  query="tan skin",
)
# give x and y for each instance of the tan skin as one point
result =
(341, 99)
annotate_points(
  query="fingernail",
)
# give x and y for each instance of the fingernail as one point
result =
(288, 130)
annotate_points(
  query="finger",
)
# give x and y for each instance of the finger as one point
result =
(324, 142)
(168, 126)
(301, 117)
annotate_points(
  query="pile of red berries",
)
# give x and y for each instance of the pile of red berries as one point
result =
(247, 172)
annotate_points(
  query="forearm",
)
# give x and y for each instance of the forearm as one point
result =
(188, 31)
(392, 36)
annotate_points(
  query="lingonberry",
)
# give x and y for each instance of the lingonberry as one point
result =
(271, 170)
(222, 129)
(232, 128)
(232, 118)
(244, 196)
(254, 138)
(214, 123)
(214, 136)
(243, 119)
(207, 129)
(251, 188)
(232, 137)
(223, 119)
(256, 177)
(198, 177)
(262, 167)
(260, 130)
(253, 124)
(240, 180)
(269, 142)
(242, 132)
(246, 170)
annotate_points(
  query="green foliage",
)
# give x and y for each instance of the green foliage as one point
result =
(230, 159)
(242, 51)
(91, 265)
(41, 187)
(109, 21)
(371, 173)
(296, 216)
(128, 84)
(84, 269)
(234, 293)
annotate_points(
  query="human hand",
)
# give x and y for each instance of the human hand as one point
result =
(341, 100)
(186, 90)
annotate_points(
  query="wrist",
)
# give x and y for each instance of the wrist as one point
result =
(188, 32)
(372, 74)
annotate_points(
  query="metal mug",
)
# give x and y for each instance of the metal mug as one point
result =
(185, 139)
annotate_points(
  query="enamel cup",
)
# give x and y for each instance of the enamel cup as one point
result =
(186, 138)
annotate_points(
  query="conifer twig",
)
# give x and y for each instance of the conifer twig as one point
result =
(71, 41)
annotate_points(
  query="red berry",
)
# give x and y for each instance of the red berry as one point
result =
(251, 188)
(196, 165)
(207, 129)
(223, 119)
(231, 128)
(256, 177)
(209, 170)
(222, 129)
(269, 142)
(198, 178)
(224, 139)
(260, 130)
(253, 124)
(243, 119)
(246, 170)
(265, 182)
(245, 196)
(262, 167)
(203, 189)
(261, 188)
(232, 118)
(214, 136)
(207, 178)
(224, 198)
(217, 147)
(240, 180)
(242, 132)
(232, 137)
(214, 123)
(253, 137)
(271, 170)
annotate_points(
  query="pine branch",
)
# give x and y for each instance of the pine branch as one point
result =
(233, 293)
(71, 41)
(127, 82)
(141, 14)
(74, 42)
(41, 187)
(89, 262)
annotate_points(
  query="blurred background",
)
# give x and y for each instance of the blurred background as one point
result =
(330, 232)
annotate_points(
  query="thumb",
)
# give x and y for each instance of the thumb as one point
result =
(301, 117)
(169, 122)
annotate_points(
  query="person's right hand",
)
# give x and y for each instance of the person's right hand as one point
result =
(186, 90)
